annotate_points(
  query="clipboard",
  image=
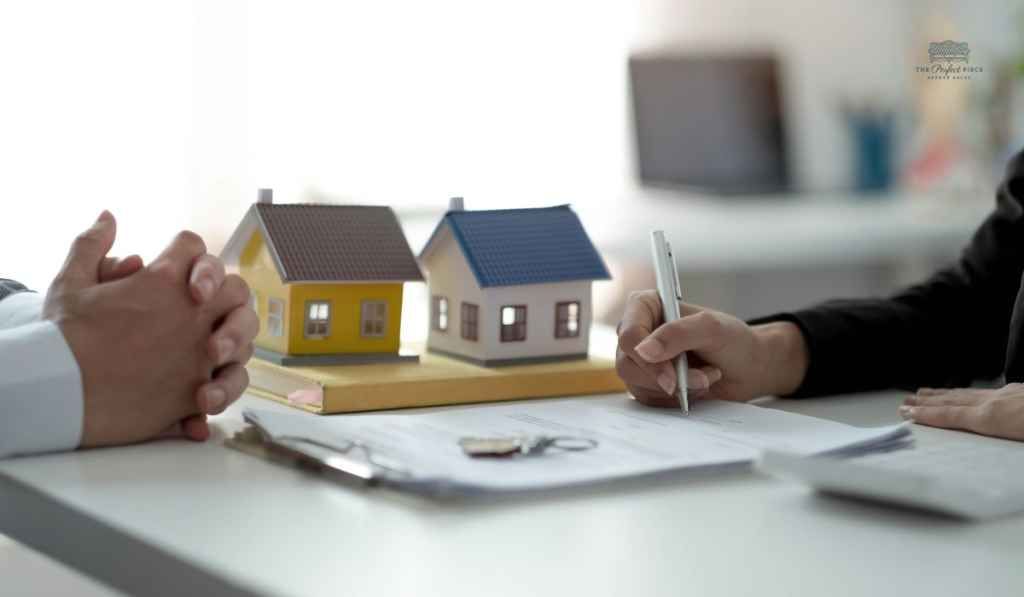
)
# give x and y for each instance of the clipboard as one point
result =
(350, 467)
(419, 451)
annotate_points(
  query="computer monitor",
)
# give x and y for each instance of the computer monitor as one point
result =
(713, 122)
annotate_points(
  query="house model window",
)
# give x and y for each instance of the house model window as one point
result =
(374, 319)
(567, 319)
(513, 323)
(318, 319)
(439, 308)
(470, 317)
(275, 317)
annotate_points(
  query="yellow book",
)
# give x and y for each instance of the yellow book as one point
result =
(435, 380)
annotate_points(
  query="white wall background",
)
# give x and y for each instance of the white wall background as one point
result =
(171, 113)
(94, 113)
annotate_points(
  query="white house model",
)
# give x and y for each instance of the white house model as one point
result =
(510, 286)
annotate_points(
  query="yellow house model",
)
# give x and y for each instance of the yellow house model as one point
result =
(326, 281)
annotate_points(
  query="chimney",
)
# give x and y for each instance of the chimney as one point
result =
(265, 196)
(456, 204)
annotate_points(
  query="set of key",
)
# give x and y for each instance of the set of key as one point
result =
(523, 445)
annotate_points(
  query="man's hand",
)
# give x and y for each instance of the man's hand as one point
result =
(144, 347)
(999, 412)
(728, 359)
(230, 345)
(233, 336)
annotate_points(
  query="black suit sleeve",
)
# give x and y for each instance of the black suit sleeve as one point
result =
(9, 287)
(947, 331)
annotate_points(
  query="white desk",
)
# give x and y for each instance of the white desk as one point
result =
(174, 518)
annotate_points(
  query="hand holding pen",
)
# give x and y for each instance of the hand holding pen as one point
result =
(727, 358)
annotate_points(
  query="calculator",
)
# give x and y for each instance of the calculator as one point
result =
(965, 481)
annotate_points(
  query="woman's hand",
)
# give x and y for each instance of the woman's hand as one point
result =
(728, 359)
(998, 412)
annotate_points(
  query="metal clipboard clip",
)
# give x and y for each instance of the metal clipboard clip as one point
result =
(355, 461)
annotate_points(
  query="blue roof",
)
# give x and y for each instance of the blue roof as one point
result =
(509, 247)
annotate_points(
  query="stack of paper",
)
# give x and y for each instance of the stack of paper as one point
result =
(422, 452)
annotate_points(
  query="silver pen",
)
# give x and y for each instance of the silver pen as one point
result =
(671, 294)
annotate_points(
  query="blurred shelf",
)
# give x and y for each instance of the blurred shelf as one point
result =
(726, 233)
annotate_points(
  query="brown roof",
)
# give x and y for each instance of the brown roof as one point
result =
(337, 243)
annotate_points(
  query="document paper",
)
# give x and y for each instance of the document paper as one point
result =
(632, 439)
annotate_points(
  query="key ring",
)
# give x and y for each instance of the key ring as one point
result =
(567, 443)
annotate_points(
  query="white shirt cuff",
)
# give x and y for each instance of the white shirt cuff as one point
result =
(41, 408)
(20, 308)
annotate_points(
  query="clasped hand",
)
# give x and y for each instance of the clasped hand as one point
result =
(160, 346)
